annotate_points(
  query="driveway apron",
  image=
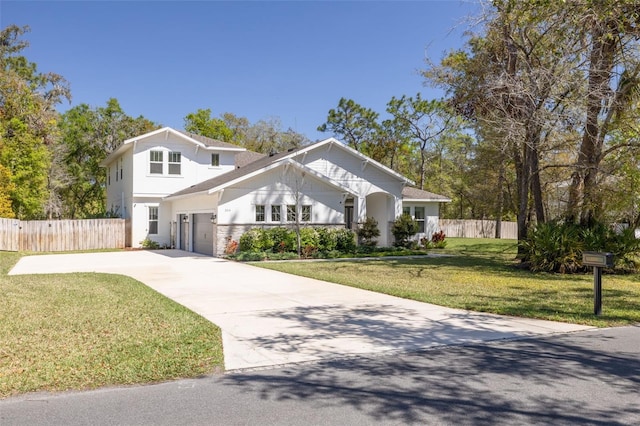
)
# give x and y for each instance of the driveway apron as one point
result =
(271, 318)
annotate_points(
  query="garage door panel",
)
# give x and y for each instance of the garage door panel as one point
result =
(202, 234)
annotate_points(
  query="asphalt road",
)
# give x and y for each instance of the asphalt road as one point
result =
(590, 377)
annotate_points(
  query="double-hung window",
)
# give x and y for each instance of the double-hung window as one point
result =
(174, 163)
(153, 220)
(291, 213)
(306, 214)
(259, 213)
(276, 213)
(155, 162)
(419, 217)
(215, 160)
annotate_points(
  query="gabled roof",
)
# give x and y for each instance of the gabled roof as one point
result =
(415, 194)
(266, 163)
(197, 140)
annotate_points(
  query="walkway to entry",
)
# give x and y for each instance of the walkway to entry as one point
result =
(270, 318)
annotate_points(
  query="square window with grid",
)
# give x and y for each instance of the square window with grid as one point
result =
(155, 162)
(175, 159)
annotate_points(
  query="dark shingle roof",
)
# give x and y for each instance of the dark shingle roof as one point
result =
(247, 157)
(231, 175)
(410, 193)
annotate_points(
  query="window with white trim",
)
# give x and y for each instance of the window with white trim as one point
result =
(276, 213)
(215, 160)
(406, 210)
(155, 162)
(305, 215)
(418, 213)
(291, 213)
(153, 220)
(259, 212)
(175, 159)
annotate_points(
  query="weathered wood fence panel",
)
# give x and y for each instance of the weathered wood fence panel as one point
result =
(61, 235)
(478, 228)
(9, 234)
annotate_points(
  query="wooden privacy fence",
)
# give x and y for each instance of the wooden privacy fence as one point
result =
(478, 228)
(61, 235)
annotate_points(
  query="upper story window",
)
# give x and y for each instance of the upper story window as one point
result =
(174, 163)
(215, 160)
(155, 162)
(259, 213)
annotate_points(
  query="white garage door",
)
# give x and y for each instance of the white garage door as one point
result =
(203, 234)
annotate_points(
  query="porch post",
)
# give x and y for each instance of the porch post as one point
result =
(362, 209)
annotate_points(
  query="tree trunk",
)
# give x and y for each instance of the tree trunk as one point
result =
(500, 201)
(582, 192)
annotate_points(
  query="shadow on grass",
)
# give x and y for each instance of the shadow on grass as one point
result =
(541, 381)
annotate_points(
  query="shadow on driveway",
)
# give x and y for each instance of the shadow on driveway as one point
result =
(586, 378)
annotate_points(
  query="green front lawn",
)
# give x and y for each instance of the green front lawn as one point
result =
(83, 331)
(480, 275)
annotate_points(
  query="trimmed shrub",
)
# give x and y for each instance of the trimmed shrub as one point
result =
(249, 240)
(309, 237)
(368, 232)
(345, 240)
(284, 240)
(327, 239)
(403, 229)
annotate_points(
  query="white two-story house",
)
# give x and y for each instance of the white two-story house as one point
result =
(191, 192)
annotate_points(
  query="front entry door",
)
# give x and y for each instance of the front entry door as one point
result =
(348, 216)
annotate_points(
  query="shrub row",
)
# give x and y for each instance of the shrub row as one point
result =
(283, 240)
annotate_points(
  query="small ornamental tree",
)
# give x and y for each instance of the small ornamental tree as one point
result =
(368, 232)
(403, 229)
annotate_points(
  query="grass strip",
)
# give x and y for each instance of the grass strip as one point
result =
(481, 275)
(84, 331)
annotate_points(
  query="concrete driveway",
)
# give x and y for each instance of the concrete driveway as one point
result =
(270, 318)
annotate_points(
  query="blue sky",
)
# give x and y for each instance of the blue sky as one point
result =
(291, 60)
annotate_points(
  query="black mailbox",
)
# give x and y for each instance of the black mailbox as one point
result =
(596, 258)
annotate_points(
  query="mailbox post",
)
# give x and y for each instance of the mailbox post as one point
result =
(598, 260)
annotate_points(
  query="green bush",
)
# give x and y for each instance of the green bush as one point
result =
(553, 247)
(368, 232)
(149, 244)
(403, 229)
(345, 240)
(558, 246)
(284, 240)
(251, 240)
(309, 237)
(327, 239)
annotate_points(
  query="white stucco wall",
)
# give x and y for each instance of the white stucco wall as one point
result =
(432, 213)
(237, 205)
